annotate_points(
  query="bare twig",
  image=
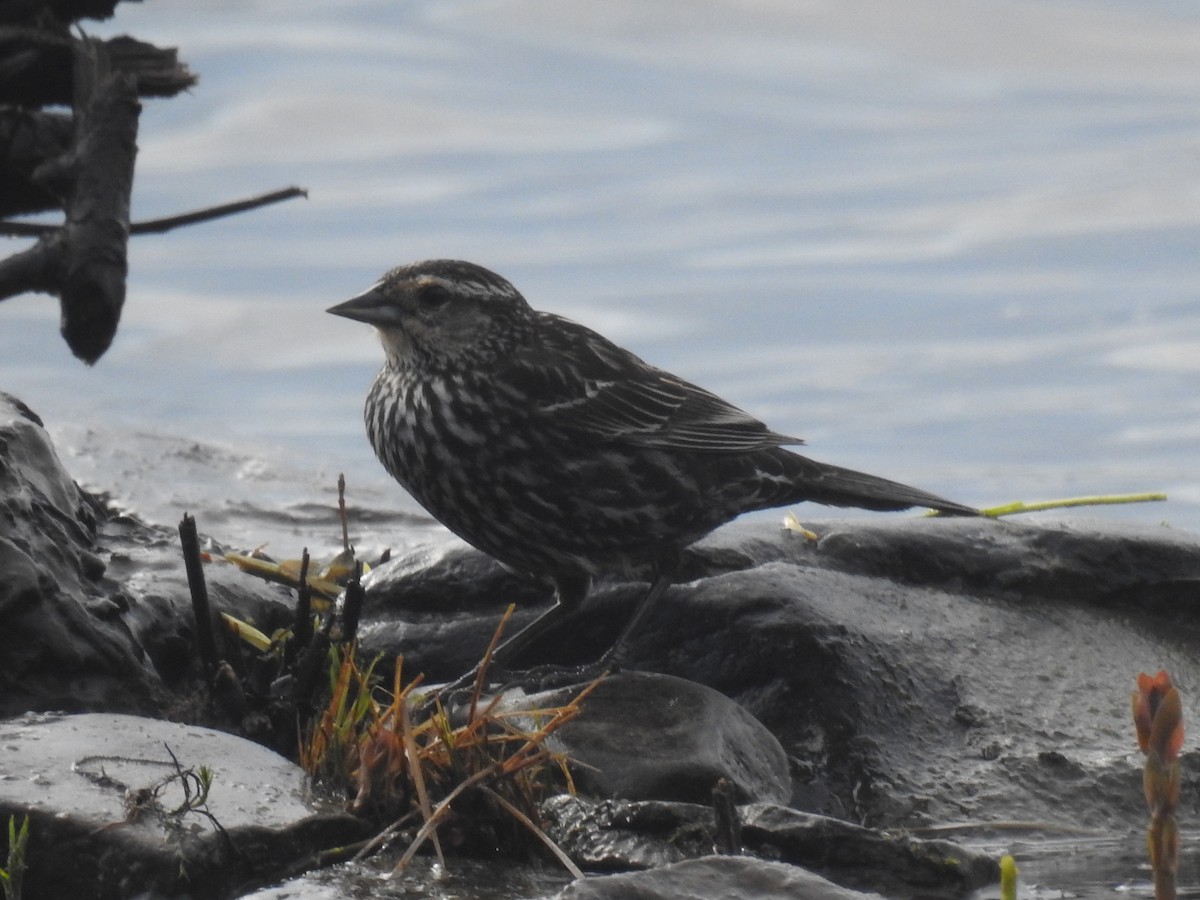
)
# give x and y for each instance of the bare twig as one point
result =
(341, 489)
(160, 226)
(727, 839)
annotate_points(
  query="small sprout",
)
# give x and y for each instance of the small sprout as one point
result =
(1008, 877)
(13, 874)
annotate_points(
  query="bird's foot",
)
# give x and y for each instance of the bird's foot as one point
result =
(552, 677)
(458, 694)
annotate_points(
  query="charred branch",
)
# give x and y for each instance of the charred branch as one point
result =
(27, 140)
(84, 261)
(36, 67)
(97, 227)
(81, 164)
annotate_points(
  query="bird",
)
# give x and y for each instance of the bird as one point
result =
(559, 453)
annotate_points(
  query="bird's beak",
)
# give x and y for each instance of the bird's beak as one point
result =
(371, 306)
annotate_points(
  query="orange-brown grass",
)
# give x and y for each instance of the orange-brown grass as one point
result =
(477, 782)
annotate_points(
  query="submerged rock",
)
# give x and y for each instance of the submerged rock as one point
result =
(620, 835)
(727, 877)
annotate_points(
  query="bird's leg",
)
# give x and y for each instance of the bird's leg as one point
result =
(615, 655)
(569, 591)
(570, 595)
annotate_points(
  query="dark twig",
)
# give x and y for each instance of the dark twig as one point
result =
(302, 630)
(206, 636)
(83, 261)
(160, 226)
(727, 839)
(26, 229)
(200, 782)
(309, 667)
(352, 603)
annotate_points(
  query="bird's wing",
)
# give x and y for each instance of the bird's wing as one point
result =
(593, 385)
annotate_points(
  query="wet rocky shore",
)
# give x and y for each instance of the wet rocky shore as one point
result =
(867, 694)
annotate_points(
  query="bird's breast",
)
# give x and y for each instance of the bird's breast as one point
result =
(481, 459)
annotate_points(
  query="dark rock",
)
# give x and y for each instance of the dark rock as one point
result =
(1088, 561)
(62, 646)
(95, 604)
(915, 670)
(423, 878)
(726, 877)
(640, 736)
(441, 604)
(108, 817)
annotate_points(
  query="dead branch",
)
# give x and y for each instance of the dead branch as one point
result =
(82, 164)
(29, 138)
(35, 65)
(97, 228)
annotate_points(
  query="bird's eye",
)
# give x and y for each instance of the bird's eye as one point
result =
(433, 296)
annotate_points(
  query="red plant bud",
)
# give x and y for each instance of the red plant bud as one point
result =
(1158, 716)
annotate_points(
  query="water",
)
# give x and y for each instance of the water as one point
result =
(1091, 869)
(950, 243)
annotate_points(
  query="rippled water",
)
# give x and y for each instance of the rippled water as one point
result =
(954, 243)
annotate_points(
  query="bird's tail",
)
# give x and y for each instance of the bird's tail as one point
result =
(818, 482)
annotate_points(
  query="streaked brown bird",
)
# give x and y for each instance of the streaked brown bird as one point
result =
(560, 454)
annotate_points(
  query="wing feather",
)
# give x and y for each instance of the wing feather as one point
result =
(612, 395)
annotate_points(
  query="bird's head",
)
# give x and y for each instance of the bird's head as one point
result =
(440, 313)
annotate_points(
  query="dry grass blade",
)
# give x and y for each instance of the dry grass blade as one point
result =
(381, 839)
(443, 808)
(418, 775)
(1020, 506)
(559, 716)
(537, 832)
(485, 663)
